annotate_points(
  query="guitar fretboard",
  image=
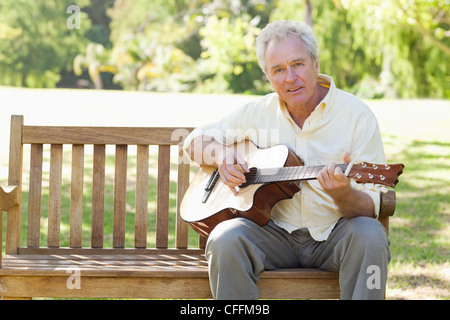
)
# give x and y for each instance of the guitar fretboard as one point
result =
(268, 175)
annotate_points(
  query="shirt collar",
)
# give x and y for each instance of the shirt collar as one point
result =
(328, 100)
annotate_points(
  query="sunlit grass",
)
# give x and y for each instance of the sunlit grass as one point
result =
(418, 135)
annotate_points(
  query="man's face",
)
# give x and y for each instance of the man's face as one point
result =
(292, 72)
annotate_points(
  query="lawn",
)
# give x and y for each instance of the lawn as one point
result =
(415, 132)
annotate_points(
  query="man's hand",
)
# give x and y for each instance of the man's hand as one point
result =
(205, 150)
(226, 159)
(333, 180)
(350, 202)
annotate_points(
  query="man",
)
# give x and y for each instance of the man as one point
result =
(330, 223)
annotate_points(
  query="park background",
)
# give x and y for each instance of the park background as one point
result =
(188, 62)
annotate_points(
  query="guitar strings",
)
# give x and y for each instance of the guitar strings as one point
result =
(264, 175)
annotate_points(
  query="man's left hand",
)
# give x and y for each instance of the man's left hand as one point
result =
(333, 180)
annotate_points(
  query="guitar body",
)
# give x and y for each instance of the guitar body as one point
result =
(253, 202)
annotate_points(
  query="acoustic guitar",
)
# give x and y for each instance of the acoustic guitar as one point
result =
(274, 175)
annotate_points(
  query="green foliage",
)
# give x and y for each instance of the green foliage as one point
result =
(35, 42)
(229, 52)
(375, 49)
(382, 48)
(405, 39)
(96, 61)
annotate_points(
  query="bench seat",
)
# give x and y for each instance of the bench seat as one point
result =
(162, 275)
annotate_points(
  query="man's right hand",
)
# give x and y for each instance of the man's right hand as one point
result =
(206, 151)
(227, 159)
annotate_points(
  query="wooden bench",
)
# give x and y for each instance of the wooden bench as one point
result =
(57, 250)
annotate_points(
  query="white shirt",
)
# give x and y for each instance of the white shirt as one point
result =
(341, 122)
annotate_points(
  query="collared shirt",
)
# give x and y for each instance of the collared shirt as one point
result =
(341, 122)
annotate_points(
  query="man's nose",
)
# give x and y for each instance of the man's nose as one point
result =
(291, 75)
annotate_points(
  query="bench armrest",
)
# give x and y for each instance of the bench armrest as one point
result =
(9, 197)
(387, 204)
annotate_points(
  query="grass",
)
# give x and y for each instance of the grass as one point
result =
(415, 132)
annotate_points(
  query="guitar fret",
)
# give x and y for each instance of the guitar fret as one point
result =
(259, 177)
(308, 172)
(316, 171)
(285, 174)
(293, 175)
(297, 173)
(301, 172)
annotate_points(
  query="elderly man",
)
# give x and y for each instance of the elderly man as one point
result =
(330, 223)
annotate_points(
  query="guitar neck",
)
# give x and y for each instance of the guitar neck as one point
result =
(282, 174)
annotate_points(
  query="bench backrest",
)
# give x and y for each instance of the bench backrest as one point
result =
(85, 184)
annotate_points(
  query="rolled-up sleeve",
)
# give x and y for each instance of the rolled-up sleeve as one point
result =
(369, 148)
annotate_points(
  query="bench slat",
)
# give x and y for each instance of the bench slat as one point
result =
(98, 196)
(54, 197)
(120, 196)
(173, 265)
(141, 217)
(103, 135)
(162, 205)
(76, 200)
(183, 184)
(106, 251)
(134, 255)
(35, 195)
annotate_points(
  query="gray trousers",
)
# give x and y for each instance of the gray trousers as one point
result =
(238, 250)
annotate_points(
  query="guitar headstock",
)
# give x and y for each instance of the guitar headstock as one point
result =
(385, 174)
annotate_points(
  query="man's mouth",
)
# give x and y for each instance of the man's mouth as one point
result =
(296, 89)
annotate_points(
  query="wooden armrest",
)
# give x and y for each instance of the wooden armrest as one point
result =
(387, 204)
(9, 197)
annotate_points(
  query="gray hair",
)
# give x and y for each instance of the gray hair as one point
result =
(283, 29)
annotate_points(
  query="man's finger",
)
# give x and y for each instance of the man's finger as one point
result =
(241, 161)
(347, 158)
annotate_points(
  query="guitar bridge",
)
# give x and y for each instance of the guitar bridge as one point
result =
(210, 185)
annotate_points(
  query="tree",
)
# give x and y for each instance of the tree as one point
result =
(408, 40)
(96, 61)
(181, 27)
(229, 53)
(395, 48)
(36, 43)
(375, 48)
